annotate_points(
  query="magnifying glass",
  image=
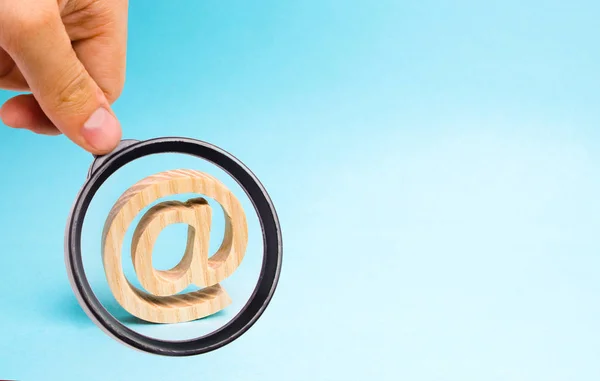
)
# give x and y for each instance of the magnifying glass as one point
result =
(166, 304)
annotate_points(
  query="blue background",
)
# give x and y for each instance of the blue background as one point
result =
(436, 170)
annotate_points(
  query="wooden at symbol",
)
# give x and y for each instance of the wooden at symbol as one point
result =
(161, 300)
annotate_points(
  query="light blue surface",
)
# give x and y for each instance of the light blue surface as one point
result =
(435, 166)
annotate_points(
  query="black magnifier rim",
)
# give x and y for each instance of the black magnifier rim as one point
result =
(272, 243)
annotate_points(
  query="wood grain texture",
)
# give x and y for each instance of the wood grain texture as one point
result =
(161, 303)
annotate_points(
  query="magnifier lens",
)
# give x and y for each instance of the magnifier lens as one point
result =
(172, 254)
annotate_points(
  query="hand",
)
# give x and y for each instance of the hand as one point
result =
(70, 54)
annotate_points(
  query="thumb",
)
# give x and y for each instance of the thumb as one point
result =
(65, 91)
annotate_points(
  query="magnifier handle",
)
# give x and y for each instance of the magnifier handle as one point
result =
(99, 160)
